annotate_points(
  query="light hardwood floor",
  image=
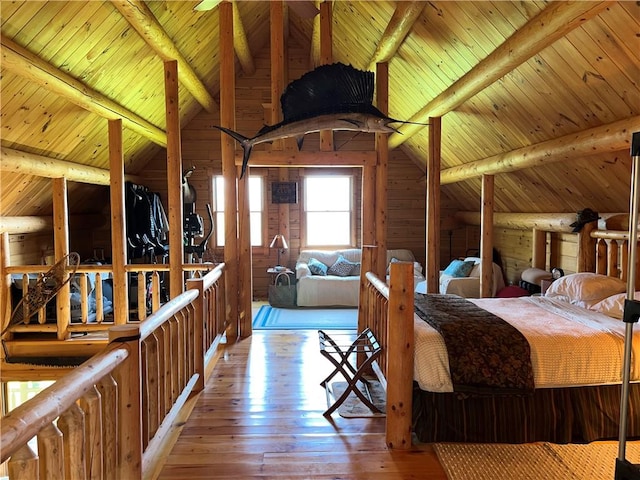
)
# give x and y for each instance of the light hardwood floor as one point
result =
(260, 416)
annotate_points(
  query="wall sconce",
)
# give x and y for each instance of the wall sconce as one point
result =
(280, 244)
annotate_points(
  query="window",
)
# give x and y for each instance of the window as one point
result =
(256, 207)
(328, 209)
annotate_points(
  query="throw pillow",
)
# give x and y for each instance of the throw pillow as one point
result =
(317, 267)
(356, 269)
(341, 268)
(458, 268)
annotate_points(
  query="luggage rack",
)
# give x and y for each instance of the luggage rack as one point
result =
(365, 346)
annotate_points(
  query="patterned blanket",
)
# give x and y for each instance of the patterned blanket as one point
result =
(486, 354)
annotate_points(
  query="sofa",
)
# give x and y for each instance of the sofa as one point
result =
(324, 286)
(462, 277)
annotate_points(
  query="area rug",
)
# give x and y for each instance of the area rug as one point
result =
(353, 407)
(270, 318)
(539, 461)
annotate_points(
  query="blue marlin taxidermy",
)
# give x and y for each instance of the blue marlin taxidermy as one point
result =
(331, 97)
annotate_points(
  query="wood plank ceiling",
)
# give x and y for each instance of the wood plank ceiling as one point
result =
(587, 79)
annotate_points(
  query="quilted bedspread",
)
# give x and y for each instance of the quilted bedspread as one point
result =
(486, 354)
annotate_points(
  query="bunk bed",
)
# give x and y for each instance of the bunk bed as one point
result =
(567, 401)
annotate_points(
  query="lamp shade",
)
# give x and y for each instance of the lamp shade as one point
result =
(279, 242)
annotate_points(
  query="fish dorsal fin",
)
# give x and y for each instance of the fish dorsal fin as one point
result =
(335, 88)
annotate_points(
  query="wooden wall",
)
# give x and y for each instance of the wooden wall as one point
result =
(201, 148)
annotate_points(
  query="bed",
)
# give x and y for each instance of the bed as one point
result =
(576, 341)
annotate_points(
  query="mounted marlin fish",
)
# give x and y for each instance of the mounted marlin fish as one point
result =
(331, 97)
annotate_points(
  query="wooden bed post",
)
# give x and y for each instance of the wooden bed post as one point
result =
(400, 340)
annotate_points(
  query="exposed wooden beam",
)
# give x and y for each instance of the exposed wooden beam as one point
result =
(612, 137)
(548, 222)
(22, 62)
(553, 23)
(326, 13)
(486, 236)
(141, 18)
(25, 163)
(241, 44)
(309, 159)
(432, 222)
(399, 26)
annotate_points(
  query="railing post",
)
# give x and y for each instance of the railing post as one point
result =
(200, 313)
(400, 341)
(128, 376)
(367, 259)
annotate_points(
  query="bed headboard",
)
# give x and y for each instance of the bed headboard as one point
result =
(605, 252)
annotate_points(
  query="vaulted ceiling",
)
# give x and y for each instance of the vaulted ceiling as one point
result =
(550, 85)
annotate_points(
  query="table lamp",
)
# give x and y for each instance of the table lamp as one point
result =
(280, 244)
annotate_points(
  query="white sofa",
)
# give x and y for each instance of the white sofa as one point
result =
(469, 286)
(332, 290)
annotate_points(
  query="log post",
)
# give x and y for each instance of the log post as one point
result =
(538, 255)
(61, 246)
(227, 119)
(128, 376)
(174, 180)
(382, 172)
(400, 348)
(433, 206)
(486, 239)
(118, 228)
(326, 57)
(586, 248)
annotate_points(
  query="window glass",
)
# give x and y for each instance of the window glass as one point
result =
(256, 207)
(328, 209)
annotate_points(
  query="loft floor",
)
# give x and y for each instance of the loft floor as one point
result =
(260, 416)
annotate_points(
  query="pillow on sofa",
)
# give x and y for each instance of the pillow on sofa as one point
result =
(459, 268)
(317, 267)
(341, 268)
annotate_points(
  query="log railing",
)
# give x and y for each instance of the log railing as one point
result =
(109, 417)
(388, 311)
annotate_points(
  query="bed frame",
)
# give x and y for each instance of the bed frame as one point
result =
(388, 310)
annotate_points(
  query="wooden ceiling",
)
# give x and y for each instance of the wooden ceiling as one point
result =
(554, 84)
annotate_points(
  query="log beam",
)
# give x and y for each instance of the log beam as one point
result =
(399, 26)
(141, 18)
(309, 159)
(16, 161)
(548, 222)
(241, 44)
(23, 63)
(551, 24)
(612, 137)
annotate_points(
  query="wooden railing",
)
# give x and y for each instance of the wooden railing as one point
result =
(109, 418)
(612, 254)
(388, 312)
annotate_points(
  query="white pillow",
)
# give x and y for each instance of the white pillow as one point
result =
(613, 305)
(585, 289)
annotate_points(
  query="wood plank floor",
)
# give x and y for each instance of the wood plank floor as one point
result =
(260, 416)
